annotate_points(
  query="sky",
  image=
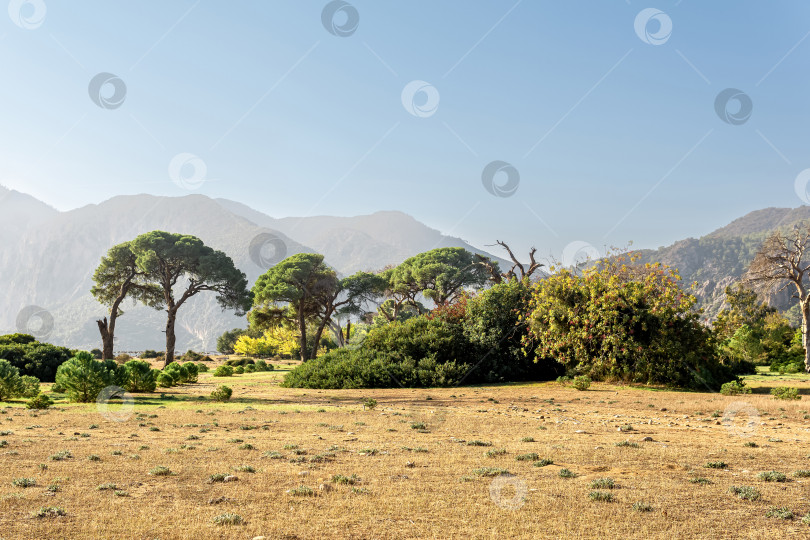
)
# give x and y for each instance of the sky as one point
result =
(567, 126)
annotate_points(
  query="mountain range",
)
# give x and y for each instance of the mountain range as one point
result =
(48, 258)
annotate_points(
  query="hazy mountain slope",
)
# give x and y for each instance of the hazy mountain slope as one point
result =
(367, 242)
(721, 258)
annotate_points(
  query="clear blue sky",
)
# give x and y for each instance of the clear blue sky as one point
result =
(614, 138)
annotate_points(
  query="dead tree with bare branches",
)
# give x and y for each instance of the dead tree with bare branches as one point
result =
(518, 270)
(780, 263)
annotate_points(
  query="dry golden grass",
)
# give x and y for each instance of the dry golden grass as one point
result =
(405, 493)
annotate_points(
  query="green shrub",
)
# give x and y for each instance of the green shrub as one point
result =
(261, 365)
(241, 361)
(82, 377)
(238, 370)
(32, 357)
(773, 476)
(29, 386)
(250, 368)
(734, 388)
(164, 380)
(97, 354)
(201, 368)
(602, 496)
(785, 392)
(779, 512)
(192, 370)
(140, 376)
(583, 382)
(223, 371)
(10, 381)
(222, 393)
(149, 353)
(178, 373)
(40, 401)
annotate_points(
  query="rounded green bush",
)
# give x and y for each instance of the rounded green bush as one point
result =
(140, 376)
(222, 393)
(223, 371)
(239, 370)
(164, 380)
(82, 377)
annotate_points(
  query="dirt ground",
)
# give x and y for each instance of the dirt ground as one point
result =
(416, 466)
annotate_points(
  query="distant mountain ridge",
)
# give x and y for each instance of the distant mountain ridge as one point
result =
(48, 258)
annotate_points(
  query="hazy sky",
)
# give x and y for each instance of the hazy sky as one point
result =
(605, 115)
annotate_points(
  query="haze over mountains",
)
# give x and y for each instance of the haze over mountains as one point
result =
(48, 258)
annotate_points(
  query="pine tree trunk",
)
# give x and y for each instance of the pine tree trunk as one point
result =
(302, 340)
(170, 337)
(106, 339)
(805, 336)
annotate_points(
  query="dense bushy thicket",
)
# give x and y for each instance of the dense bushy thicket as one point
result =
(474, 340)
(629, 323)
(12, 384)
(32, 357)
(83, 377)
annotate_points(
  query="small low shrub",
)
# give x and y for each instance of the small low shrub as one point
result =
(565, 473)
(24, 482)
(747, 493)
(603, 483)
(786, 393)
(734, 388)
(716, 465)
(222, 393)
(49, 512)
(228, 519)
(223, 371)
(602, 496)
(772, 476)
(779, 512)
(582, 382)
(41, 401)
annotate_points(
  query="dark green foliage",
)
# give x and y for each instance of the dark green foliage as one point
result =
(222, 393)
(261, 365)
(201, 368)
(223, 371)
(784, 392)
(40, 401)
(82, 377)
(97, 354)
(164, 380)
(227, 340)
(10, 382)
(140, 376)
(29, 386)
(734, 388)
(32, 357)
(149, 353)
(241, 361)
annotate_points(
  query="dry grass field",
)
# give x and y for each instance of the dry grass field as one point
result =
(414, 467)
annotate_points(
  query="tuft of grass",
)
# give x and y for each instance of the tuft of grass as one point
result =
(418, 425)
(160, 470)
(747, 493)
(302, 491)
(627, 444)
(801, 474)
(246, 446)
(716, 465)
(217, 477)
(93, 457)
(772, 476)
(61, 456)
(489, 471)
(751, 444)
(49, 512)
(369, 451)
(602, 496)
(24, 482)
(527, 457)
(779, 512)
(245, 469)
(478, 443)
(565, 473)
(603, 483)
(642, 507)
(346, 480)
(496, 452)
(527, 439)
(108, 486)
(228, 518)
(701, 481)
(273, 455)
(543, 462)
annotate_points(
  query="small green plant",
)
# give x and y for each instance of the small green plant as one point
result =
(801, 474)
(527, 457)
(347, 480)
(24, 482)
(160, 470)
(246, 446)
(543, 462)
(565, 473)
(478, 443)
(751, 444)
(369, 403)
(228, 518)
(244, 469)
(642, 507)
(602, 496)
(302, 491)
(238, 370)
(603, 483)
(489, 471)
(527, 439)
(496, 452)
(217, 477)
(786, 393)
(747, 493)
(93, 457)
(49, 512)
(107, 487)
(716, 465)
(772, 476)
(627, 444)
(779, 512)
(222, 393)
(61, 456)
(418, 425)
(582, 382)
(40, 401)
(734, 388)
